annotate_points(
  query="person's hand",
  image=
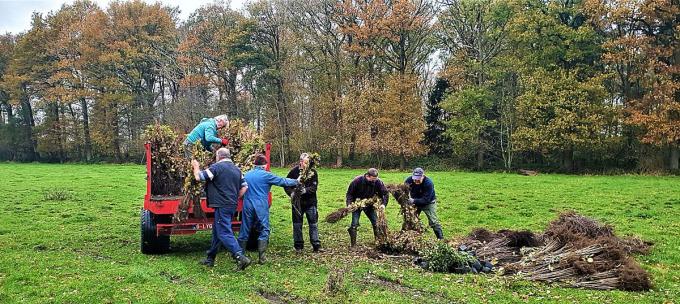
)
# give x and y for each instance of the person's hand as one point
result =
(411, 201)
(195, 164)
(225, 141)
(303, 190)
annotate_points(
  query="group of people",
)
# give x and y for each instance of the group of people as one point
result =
(225, 184)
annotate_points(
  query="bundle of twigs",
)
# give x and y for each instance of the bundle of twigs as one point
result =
(244, 143)
(306, 174)
(400, 192)
(192, 188)
(381, 230)
(341, 213)
(404, 242)
(167, 165)
(575, 250)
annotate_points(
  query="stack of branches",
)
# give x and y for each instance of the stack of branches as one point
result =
(574, 249)
(167, 165)
(501, 247)
(306, 174)
(244, 143)
(411, 222)
(405, 242)
(192, 188)
(409, 239)
(381, 229)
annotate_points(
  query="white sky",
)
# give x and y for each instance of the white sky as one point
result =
(15, 15)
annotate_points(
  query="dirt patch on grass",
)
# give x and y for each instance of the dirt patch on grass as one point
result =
(417, 295)
(279, 297)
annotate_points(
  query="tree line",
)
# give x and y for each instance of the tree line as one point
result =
(485, 84)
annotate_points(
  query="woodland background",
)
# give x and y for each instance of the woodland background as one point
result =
(569, 85)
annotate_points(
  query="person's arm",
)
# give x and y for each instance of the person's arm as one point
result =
(280, 181)
(210, 133)
(204, 175)
(349, 197)
(385, 195)
(244, 187)
(294, 173)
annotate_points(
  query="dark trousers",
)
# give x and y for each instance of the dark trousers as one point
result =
(370, 213)
(222, 235)
(313, 222)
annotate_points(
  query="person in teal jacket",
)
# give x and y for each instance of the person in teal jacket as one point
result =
(255, 214)
(206, 132)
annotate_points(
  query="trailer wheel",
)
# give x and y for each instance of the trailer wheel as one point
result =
(150, 242)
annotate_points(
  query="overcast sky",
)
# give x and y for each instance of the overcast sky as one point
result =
(15, 15)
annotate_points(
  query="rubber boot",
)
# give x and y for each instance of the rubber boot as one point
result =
(438, 233)
(375, 233)
(209, 261)
(352, 236)
(242, 244)
(261, 248)
(243, 261)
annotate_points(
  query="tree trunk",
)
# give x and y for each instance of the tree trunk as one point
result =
(233, 109)
(115, 131)
(480, 159)
(162, 83)
(674, 155)
(568, 160)
(29, 123)
(402, 162)
(338, 158)
(86, 130)
(353, 146)
(283, 122)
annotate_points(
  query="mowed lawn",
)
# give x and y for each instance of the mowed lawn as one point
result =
(85, 249)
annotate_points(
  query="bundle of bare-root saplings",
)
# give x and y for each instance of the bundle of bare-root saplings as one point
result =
(171, 172)
(574, 250)
(168, 167)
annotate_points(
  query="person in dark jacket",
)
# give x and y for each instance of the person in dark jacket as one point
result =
(224, 185)
(362, 187)
(308, 206)
(423, 197)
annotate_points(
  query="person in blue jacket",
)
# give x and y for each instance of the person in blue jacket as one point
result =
(423, 197)
(224, 185)
(255, 214)
(206, 132)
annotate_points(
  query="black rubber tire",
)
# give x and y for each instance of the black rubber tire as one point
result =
(150, 243)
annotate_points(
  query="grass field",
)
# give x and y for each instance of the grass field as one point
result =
(85, 249)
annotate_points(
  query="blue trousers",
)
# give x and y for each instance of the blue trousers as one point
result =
(253, 219)
(222, 235)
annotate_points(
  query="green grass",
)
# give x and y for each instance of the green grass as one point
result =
(70, 234)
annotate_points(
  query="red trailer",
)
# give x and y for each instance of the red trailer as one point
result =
(156, 215)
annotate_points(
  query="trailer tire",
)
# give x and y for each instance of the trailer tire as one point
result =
(150, 242)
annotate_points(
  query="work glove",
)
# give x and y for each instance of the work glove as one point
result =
(411, 201)
(303, 190)
(225, 141)
(382, 207)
